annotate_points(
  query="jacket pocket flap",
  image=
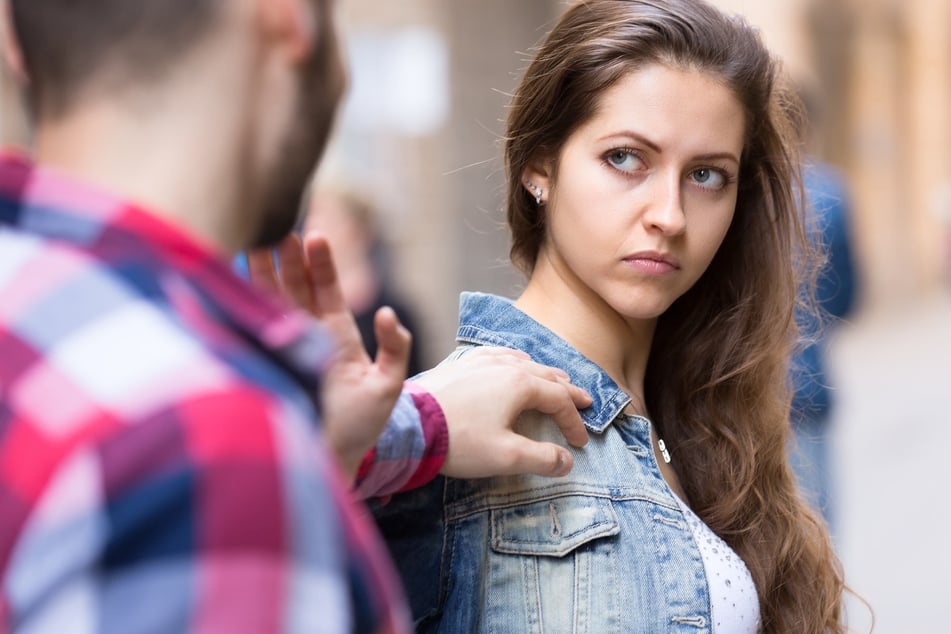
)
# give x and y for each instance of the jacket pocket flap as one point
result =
(552, 527)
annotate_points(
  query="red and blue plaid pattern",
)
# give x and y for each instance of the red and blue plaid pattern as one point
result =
(160, 466)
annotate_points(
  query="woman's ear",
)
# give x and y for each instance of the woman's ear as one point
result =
(291, 24)
(537, 179)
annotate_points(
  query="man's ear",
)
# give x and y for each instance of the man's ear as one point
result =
(291, 24)
(12, 54)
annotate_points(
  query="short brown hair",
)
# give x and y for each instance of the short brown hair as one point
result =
(69, 44)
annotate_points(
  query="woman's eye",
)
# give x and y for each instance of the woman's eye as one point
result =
(708, 178)
(623, 160)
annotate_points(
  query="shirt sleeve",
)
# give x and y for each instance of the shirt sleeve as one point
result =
(411, 450)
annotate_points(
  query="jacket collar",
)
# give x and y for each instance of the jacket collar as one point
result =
(490, 320)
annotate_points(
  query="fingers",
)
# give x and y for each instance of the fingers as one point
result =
(393, 345)
(484, 393)
(522, 362)
(261, 269)
(579, 397)
(291, 277)
(557, 400)
(550, 392)
(328, 295)
(293, 273)
(540, 458)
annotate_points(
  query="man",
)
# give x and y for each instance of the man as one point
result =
(160, 466)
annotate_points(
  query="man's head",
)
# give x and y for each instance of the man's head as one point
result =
(270, 67)
(322, 80)
(72, 48)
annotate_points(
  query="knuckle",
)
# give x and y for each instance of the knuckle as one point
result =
(511, 455)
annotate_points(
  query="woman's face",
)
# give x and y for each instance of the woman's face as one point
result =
(644, 191)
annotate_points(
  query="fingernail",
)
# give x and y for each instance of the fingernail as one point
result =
(564, 463)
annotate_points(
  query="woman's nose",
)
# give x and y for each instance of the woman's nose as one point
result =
(665, 211)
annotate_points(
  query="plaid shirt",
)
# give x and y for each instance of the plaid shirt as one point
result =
(160, 469)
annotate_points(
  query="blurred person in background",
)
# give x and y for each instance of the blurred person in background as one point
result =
(362, 260)
(828, 213)
(176, 447)
(649, 166)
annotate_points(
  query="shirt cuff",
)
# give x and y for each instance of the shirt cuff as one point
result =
(436, 434)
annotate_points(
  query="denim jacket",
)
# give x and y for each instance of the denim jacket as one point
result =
(604, 549)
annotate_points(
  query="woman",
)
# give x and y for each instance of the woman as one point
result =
(651, 199)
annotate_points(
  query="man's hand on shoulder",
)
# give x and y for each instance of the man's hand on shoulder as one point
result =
(482, 395)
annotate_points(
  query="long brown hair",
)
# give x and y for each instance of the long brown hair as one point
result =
(716, 379)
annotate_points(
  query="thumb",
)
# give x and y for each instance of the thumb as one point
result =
(393, 344)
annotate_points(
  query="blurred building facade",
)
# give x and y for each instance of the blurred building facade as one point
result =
(420, 133)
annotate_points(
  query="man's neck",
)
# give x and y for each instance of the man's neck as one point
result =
(178, 167)
(173, 154)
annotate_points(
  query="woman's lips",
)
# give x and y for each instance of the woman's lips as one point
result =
(652, 262)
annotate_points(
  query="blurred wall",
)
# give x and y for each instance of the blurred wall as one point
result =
(441, 189)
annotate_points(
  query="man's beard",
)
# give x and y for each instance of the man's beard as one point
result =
(302, 149)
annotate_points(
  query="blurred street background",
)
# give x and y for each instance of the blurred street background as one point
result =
(419, 139)
(891, 442)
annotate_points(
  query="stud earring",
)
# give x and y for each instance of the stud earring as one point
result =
(536, 190)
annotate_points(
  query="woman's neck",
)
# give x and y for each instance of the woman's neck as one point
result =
(618, 345)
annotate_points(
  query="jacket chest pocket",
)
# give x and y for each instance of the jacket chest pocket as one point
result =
(554, 527)
(551, 568)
